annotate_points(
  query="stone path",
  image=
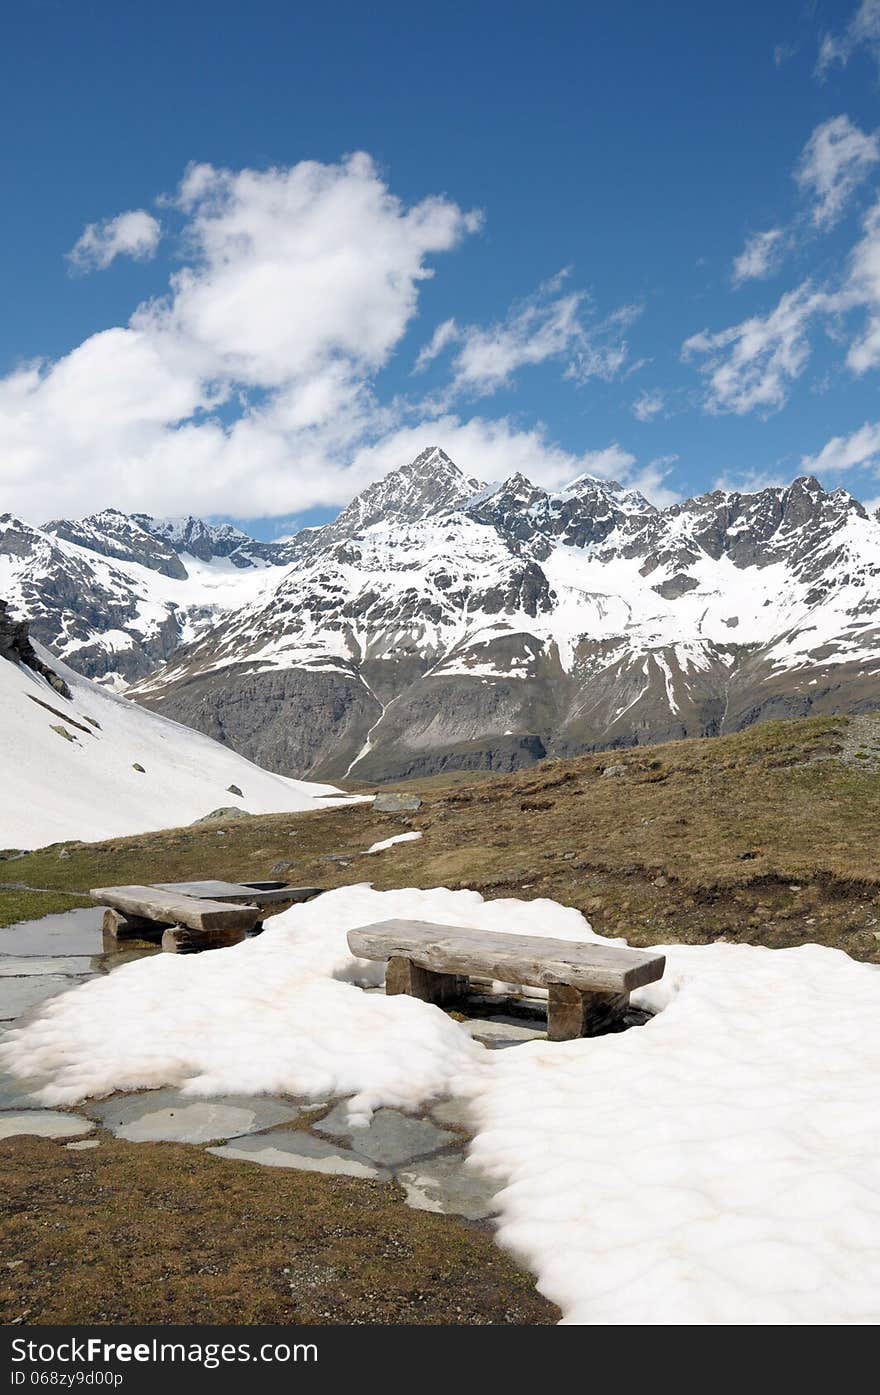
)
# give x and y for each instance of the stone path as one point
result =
(424, 1154)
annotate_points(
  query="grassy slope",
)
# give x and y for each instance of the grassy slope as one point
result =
(767, 835)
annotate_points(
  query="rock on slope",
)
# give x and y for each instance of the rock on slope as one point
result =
(79, 762)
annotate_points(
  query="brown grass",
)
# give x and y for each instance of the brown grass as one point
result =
(697, 839)
(164, 1233)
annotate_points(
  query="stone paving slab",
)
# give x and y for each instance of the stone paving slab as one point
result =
(444, 1184)
(299, 1150)
(391, 1138)
(19, 995)
(504, 1031)
(167, 1116)
(43, 1123)
(18, 966)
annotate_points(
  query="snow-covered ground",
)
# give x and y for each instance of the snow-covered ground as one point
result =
(392, 842)
(85, 784)
(719, 1165)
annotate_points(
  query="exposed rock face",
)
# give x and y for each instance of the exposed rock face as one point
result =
(285, 719)
(431, 484)
(16, 648)
(113, 596)
(114, 534)
(205, 541)
(439, 623)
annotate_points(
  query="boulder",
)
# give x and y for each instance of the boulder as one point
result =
(396, 803)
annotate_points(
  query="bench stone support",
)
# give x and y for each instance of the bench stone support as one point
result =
(572, 1013)
(403, 976)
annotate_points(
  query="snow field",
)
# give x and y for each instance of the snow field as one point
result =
(719, 1165)
(85, 786)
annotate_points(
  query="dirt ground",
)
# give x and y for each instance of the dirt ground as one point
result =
(164, 1233)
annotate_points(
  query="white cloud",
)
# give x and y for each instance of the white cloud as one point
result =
(750, 481)
(299, 284)
(863, 28)
(761, 256)
(752, 364)
(863, 288)
(648, 404)
(548, 326)
(297, 268)
(783, 52)
(134, 234)
(836, 159)
(444, 335)
(857, 451)
(247, 388)
(651, 479)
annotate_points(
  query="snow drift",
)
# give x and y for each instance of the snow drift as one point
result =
(719, 1165)
(70, 766)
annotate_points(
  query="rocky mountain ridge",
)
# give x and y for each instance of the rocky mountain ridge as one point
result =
(442, 623)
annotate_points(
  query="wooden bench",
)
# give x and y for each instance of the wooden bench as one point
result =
(193, 915)
(588, 984)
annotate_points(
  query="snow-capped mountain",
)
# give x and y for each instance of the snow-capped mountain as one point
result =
(79, 762)
(442, 623)
(115, 595)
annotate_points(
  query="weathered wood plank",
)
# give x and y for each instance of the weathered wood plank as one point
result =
(524, 959)
(170, 908)
(403, 976)
(572, 1013)
(238, 892)
(179, 939)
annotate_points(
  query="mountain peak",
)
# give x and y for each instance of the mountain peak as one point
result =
(430, 484)
(433, 460)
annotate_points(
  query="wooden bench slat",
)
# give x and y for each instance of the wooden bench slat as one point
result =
(235, 892)
(172, 908)
(523, 959)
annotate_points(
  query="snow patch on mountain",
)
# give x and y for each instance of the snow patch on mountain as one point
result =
(621, 622)
(95, 766)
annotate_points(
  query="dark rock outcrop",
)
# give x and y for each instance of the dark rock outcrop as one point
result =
(16, 648)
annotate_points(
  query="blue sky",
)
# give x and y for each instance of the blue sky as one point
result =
(556, 199)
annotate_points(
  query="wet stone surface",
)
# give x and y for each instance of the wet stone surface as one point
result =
(17, 966)
(167, 1116)
(423, 1154)
(45, 1123)
(300, 1150)
(72, 932)
(18, 995)
(390, 1139)
(446, 1184)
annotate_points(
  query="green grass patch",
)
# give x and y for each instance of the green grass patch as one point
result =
(18, 905)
